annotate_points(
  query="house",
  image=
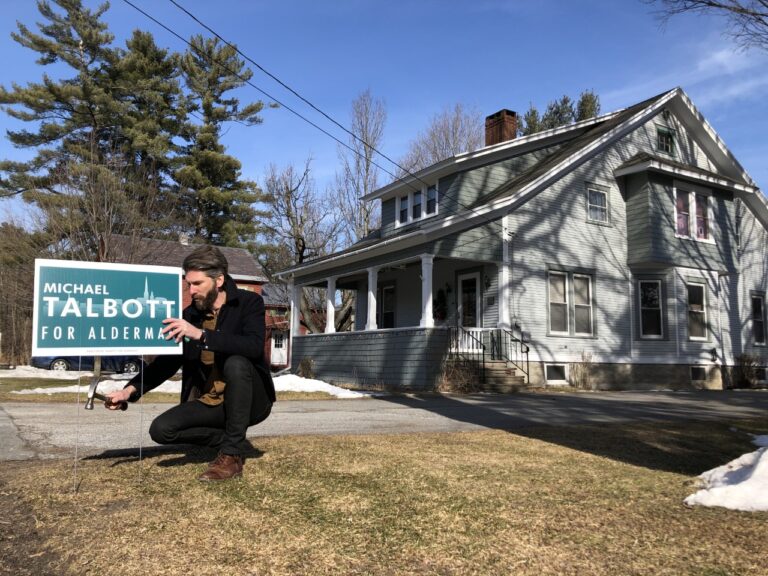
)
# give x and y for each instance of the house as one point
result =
(243, 268)
(628, 250)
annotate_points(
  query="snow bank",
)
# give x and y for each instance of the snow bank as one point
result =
(742, 484)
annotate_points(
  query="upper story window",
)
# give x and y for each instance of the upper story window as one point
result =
(597, 205)
(693, 214)
(417, 205)
(665, 140)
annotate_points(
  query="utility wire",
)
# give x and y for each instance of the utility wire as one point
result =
(302, 117)
(368, 146)
(246, 81)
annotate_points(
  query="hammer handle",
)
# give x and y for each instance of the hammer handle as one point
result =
(123, 405)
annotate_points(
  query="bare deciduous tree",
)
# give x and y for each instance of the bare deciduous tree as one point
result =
(747, 19)
(453, 131)
(300, 227)
(359, 174)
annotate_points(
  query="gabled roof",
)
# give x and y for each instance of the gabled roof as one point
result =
(577, 143)
(242, 265)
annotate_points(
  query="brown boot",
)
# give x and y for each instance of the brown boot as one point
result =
(225, 466)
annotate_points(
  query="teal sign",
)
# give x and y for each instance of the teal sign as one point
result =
(89, 308)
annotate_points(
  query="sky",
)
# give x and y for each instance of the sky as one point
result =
(741, 484)
(422, 56)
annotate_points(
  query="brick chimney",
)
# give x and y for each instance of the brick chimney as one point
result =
(500, 127)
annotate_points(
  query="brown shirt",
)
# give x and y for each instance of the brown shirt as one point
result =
(213, 392)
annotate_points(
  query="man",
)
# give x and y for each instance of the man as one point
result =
(226, 384)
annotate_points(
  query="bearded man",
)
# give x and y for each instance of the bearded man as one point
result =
(226, 384)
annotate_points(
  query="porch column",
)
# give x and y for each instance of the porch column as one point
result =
(373, 278)
(330, 307)
(427, 321)
(293, 318)
(504, 275)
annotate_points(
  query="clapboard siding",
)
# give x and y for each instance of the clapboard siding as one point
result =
(409, 359)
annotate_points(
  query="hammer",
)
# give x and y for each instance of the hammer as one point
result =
(93, 394)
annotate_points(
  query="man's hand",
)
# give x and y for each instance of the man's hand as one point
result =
(118, 397)
(178, 329)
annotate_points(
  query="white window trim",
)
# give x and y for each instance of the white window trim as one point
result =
(590, 306)
(672, 133)
(704, 311)
(640, 308)
(424, 215)
(593, 188)
(567, 331)
(556, 382)
(692, 190)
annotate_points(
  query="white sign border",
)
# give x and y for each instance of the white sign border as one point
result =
(100, 351)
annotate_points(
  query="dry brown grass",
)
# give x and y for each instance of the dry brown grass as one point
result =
(580, 500)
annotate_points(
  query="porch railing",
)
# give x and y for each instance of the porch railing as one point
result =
(468, 350)
(508, 347)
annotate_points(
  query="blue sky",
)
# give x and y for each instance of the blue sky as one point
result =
(421, 56)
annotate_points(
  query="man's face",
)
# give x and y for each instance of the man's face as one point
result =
(203, 289)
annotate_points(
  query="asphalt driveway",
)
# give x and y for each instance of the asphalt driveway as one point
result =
(55, 430)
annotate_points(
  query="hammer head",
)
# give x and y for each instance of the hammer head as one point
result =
(92, 394)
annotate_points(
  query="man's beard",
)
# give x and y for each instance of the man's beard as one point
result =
(206, 303)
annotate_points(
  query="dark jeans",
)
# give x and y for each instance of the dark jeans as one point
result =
(245, 403)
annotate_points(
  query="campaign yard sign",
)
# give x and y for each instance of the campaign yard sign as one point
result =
(90, 308)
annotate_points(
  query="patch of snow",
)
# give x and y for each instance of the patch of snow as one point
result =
(286, 383)
(741, 484)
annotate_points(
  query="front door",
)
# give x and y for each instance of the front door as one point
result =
(279, 349)
(469, 312)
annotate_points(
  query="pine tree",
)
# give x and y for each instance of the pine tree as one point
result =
(558, 113)
(588, 105)
(219, 202)
(531, 122)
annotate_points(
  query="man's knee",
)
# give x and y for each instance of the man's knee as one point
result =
(238, 369)
(160, 431)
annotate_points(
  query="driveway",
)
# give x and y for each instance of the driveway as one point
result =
(55, 430)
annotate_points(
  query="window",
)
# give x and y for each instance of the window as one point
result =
(555, 373)
(385, 307)
(403, 209)
(758, 319)
(417, 205)
(570, 304)
(698, 373)
(692, 214)
(597, 205)
(683, 207)
(431, 199)
(697, 312)
(277, 339)
(558, 303)
(582, 304)
(665, 141)
(650, 309)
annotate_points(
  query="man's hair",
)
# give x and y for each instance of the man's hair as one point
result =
(208, 259)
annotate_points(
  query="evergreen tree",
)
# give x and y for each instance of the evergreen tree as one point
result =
(588, 105)
(558, 113)
(218, 201)
(531, 122)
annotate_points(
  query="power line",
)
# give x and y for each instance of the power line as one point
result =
(299, 115)
(331, 119)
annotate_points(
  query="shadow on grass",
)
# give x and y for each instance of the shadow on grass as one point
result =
(681, 432)
(184, 455)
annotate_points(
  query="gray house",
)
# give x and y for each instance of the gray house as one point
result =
(626, 251)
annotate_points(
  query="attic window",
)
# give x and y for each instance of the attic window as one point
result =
(417, 205)
(665, 140)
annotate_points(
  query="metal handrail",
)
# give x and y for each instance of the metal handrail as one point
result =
(508, 347)
(471, 355)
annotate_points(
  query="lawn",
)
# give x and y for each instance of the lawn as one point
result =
(586, 500)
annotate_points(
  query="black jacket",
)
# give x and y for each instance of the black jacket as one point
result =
(239, 331)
